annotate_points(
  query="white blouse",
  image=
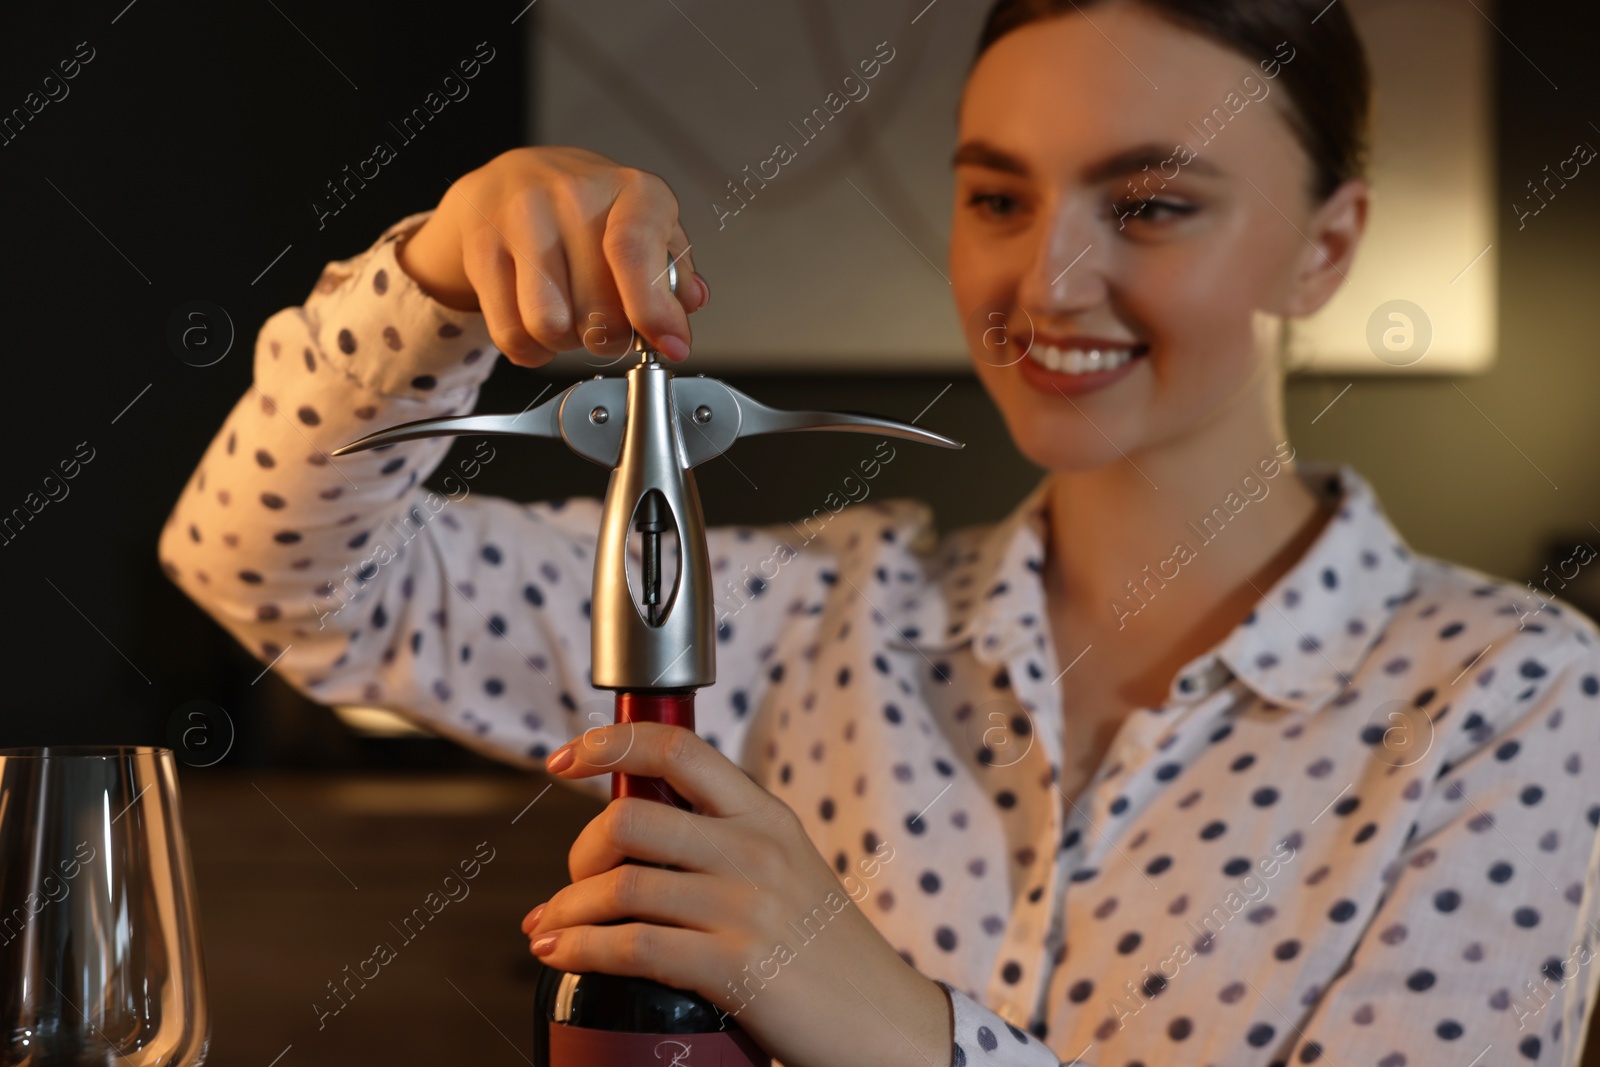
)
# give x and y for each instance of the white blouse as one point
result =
(1359, 829)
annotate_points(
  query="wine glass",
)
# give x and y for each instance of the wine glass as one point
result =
(100, 960)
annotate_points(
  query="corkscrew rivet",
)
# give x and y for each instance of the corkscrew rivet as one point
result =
(702, 414)
(599, 415)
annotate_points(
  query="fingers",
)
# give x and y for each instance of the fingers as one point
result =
(634, 891)
(703, 776)
(543, 282)
(603, 327)
(525, 305)
(684, 959)
(640, 233)
(635, 828)
(565, 249)
(693, 292)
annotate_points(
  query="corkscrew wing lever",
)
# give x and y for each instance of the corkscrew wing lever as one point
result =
(652, 625)
(536, 422)
(591, 417)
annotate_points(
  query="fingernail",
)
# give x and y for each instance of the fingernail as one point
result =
(674, 348)
(705, 290)
(560, 759)
(543, 946)
(533, 916)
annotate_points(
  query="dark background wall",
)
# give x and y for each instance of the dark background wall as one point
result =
(183, 164)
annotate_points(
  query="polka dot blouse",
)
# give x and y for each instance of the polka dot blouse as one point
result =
(1358, 830)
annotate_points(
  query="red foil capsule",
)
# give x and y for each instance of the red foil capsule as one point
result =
(674, 707)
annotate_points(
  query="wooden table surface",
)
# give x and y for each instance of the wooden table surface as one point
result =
(300, 876)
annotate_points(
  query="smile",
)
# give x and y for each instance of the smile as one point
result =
(1083, 361)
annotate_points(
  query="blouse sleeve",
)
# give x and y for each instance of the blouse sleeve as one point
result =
(1486, 934)
(465, 613)
(983, 1039)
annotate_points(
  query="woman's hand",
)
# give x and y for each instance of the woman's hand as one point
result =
(752, 918)
(562, 249)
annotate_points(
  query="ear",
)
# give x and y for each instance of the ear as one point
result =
(1334, 233)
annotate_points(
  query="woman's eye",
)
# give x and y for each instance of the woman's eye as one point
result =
(1152, 210)
(998, 205)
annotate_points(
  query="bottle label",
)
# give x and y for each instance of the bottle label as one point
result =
(572, 1046)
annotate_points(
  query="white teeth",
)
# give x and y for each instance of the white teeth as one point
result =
(1077, 361)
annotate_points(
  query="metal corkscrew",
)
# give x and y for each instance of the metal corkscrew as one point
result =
(652, 629)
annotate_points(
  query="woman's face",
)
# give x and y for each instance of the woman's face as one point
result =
(1093, 214)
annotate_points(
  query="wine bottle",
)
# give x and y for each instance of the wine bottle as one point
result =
(600, 1020)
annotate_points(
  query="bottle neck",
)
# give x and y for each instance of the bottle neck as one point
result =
(675, 707)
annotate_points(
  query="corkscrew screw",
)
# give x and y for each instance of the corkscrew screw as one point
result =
(652, 630)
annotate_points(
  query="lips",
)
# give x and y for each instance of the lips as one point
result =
(1079, 365)
(1084, 357)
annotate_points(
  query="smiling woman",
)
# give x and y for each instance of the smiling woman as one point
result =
(1067, 799)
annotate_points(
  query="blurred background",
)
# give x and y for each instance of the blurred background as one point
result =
(183, 166)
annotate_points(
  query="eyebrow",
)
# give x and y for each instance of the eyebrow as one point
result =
(1129, 161)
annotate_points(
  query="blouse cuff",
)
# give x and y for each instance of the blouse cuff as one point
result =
(983, 1038)
(372, 321)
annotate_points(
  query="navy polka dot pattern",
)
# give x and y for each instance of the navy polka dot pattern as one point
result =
(1357, 831)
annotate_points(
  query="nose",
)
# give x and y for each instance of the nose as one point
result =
(1066, 275)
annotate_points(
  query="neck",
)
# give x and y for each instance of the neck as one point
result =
(1174, 543)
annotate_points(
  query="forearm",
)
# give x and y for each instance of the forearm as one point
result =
(362, 353)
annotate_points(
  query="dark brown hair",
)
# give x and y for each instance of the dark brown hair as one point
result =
(1328, 80)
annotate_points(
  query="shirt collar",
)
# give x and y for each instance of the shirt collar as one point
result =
(1299, 647)
(1305, 639)
(986, 586)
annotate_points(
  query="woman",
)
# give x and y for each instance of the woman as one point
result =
(1188, 760)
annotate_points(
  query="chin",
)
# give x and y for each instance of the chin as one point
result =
(1049, 445)
(1050, 433)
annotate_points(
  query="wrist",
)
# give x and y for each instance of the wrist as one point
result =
(934, 1036)
(380, 329)
(428, 257)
